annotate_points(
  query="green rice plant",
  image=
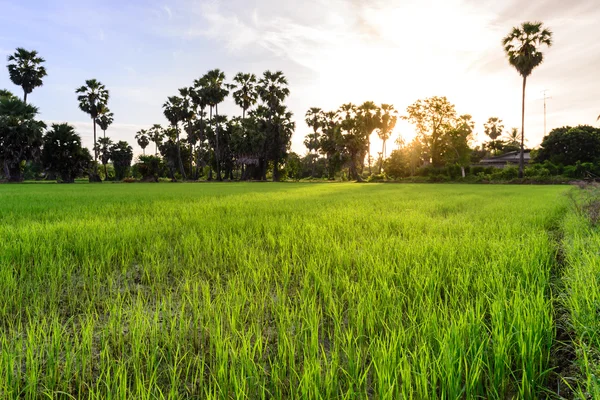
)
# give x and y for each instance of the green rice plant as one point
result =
(260, 291)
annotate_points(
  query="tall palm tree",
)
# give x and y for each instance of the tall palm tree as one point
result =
(156, 135)
(175, 111)
(92, 97)
(370, 117)
(199, 97)
(26, 70)
(313, 118)
(522, 46)
(244, 93)
(389, 118)
(216, 93)
(105, 118)
(273, 90)
(142, 139)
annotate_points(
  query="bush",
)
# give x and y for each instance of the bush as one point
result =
(149, 167)
(377, 178)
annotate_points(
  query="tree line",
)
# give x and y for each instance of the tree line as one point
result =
(444, 138)
(200, 142)
(198, 139)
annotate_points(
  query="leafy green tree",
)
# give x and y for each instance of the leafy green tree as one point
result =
(522, 46)
(63, 154)
(150, 168)
(121, 154)
(102, 147)
(389, 118)
(397, 164)
(105, 118)
(244, 90)
(93, 97)
(458, 140)
(20, 136)
(142, 139)
(26, 70)
(569, 145)
(433, 118)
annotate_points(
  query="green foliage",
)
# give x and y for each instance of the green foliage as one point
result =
(121, 155)
(569, 145)
(522, 46)
(433, 118)
(149, 167)
(26, 70)
(92, 98)
(279, 291)
(63, 154)
(20, 136)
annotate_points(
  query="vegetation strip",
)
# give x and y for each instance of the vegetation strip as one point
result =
(280, 291)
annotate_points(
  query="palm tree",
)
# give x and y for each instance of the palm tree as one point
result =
(522, 46)
(314, 117)
(105, 118)
(389, 118)
(93, 96)
(494, 128)
(216, 93)
(102, 147)
(20, 135)
(156, 135)
(175, 111)
(273, 90)
(142, 139)
(370, 117)
(26, 70)
(245, 94)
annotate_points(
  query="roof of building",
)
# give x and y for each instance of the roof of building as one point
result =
(510, 157)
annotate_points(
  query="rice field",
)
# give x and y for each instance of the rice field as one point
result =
(277, 291)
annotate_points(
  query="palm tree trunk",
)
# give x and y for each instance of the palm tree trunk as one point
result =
(192, 160)
(95, 149)
(217, 155)
(382, 157)
(179, 155)
(24, 97)
(522, 156)
(105, 173)
(369, 154)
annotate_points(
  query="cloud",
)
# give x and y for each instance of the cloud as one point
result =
(168, 11)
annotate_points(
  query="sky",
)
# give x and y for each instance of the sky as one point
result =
(331, 51)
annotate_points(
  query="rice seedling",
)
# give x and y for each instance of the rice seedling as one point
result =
(256, 291)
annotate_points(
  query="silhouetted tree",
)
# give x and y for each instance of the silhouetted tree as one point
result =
(26, 70)
(92, 98)
(522, 46)
(20, 136)
(63, 154)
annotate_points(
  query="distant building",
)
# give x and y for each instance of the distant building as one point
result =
(505, 160)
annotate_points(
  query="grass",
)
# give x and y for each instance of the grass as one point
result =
(256, 291)
(582, 288)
